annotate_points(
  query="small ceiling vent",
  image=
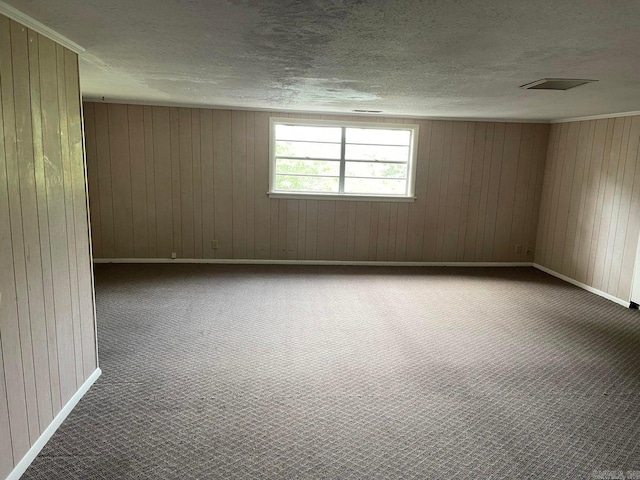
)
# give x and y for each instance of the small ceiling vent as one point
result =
(367, 111)
(556, 83)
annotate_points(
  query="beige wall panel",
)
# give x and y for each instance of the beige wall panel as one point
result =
(633, 228)
(43, 219)
(262, 232)
(595, 157)
(36, 334)
(150, 179)
(393, 231)
(13, 164)
(291, 243)
(68, 183)
(311, 230)
(577, 199)
(524, 171)
(185, 147)
(103, 163)
(495, 166)
(121, 186)
(282, 229)
(610, 202)
(92, 177)
(56, 206)
(476, 188)
(163, 185)
(619, 198)
(589, 227)
(618, 250)
(206, 168)
(341, 231)
(540, 149)
(239, 182)
(454, 189)
(223, 182)
(484, 192)
(416, 210)
(176, 193)
(78, 179)
(46, 292)
(373, 231)
(382, 246)
(196, 145)
(138, 181)
(506, 193)
(251, 184)
(9, 319)
(434, 168)
(6, 460)
(326, 230)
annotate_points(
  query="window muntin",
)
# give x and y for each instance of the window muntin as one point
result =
(342, 159)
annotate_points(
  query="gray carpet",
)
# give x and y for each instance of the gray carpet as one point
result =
(352, 372)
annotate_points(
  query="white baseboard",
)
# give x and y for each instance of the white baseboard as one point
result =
(588, 288)
(229, 261)
(33, 452)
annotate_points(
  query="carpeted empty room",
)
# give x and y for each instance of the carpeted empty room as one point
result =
(214, 371)
(328, 239)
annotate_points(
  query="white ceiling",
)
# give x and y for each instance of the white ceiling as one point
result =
(444, 58)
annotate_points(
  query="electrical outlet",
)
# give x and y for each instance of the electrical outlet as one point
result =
(528, 250)
(214, 244)
(173, 255)
(518, 248)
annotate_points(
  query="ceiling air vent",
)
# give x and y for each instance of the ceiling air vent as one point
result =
(556, 83)
(367, 111)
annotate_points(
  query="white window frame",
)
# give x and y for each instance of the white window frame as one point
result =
(411, 170)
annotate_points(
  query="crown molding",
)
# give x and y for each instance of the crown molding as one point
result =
(36, 26)
(153, 103)
(597, 117)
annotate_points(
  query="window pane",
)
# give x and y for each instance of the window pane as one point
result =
(310, 134)
(307, 150)
(290, 183)
(376, 152)
(375, 186)
(378, 137)
(380, 170)
(307, 167)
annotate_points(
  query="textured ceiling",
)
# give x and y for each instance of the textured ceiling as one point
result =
(406, 57)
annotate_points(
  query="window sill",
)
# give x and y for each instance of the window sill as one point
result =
(349, 198)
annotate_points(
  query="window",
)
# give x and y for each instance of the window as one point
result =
(342, 160)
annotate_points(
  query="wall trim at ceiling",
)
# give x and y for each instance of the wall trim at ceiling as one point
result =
(597, 117)
(584, 286)
(150, 103)
(32, 453)
(251, 261)
(29, 22)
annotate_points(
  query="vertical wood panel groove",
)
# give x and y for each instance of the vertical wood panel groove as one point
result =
(45, 261)
(597, 218)
(467, 191)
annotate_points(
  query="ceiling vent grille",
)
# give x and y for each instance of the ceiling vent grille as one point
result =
(556, 83)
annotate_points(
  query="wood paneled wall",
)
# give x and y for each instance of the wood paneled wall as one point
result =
(590, 211)
(165, 180)
(47, 337)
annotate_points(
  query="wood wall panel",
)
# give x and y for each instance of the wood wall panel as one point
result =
(590, 209)
(477, 186)
(47, 328)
